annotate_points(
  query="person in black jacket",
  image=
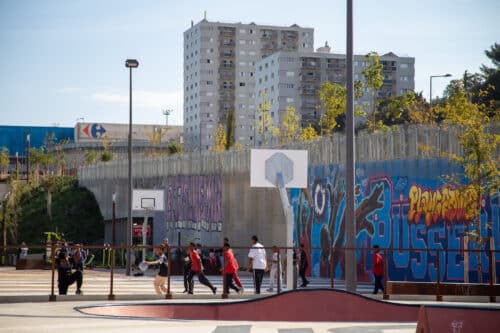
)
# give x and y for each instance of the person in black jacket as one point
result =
(65, 275)
(162, 262)
(303, 264)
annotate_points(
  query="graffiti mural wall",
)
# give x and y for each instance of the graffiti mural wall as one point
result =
(194, 202)
(399, 204)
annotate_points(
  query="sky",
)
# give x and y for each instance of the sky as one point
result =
(63, 61)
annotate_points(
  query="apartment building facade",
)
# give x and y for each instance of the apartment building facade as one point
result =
(294, 78)
(219, 75)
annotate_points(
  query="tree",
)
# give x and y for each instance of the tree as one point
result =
(90, 157)
(478, 159)
(220, 139)
(174, 148)
(333, 100)
(4, 160)
(491, 75)
(230, 129)
(290, 127)
(264, 122)
(373, 81)
(308, 134)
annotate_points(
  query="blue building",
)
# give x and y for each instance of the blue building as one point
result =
(15, 137)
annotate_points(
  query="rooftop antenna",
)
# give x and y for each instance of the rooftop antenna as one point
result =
(205, 15)
(192, 23)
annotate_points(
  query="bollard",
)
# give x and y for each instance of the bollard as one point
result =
(439, 297)
(386, 274)
(279, 275)
(224, 279)
(168, 295)
(52, 297)
(332, 270)
(111, 296)
(493, 298)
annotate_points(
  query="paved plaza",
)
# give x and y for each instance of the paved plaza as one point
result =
(24, 306)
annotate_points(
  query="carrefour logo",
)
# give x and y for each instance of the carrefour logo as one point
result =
(94, 130)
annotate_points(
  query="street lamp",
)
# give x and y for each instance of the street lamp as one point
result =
(111, 296)
(167, 113)
(430, 90)
(130, 63)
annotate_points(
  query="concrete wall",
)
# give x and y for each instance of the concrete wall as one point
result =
(244, 210)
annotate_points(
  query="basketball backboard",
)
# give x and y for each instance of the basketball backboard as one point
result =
(265, 164)
(148, 200)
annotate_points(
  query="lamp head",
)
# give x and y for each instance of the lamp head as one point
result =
(131, 63)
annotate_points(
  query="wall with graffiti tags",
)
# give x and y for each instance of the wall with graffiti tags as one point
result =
(399, 204)
(193, 209)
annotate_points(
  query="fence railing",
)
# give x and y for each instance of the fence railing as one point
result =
(105, 256)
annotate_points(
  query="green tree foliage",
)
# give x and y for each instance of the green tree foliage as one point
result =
(290, 126)
(106, 156)
(373, 81)
(220, 139)
(264, 122)
(308, 134)
(4, 160)
(230, 123)
(333, 100)
(174, 148)
(478, 159)
(90, 157)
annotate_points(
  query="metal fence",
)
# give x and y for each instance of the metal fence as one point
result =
(112, 257)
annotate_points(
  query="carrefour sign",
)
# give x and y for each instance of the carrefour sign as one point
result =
(92, 131)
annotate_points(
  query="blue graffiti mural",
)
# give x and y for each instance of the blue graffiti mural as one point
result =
(399, 204)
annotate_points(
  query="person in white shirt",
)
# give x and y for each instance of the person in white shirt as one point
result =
(257, 260)
(274, 269)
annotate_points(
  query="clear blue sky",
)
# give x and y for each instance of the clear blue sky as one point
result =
(62, 60)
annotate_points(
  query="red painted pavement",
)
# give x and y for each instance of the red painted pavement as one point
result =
(312, 305)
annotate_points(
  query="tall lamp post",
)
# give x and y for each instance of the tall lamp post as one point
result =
(350, 217)
(166, 113)
(111, 296)
(130, 63)
(27, 158)
(430, 88)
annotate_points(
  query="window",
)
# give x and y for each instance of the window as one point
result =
(251, 31)
(210, 83)
(289, 100)
(242, 74)
(243, 31)
(242, 84)
(265, 78)
(209, 61)
(272, 75)
(252, 53)
(272, 88)
(243, 52)
(266, 65)
(260, 68)
(209, 93)
(403, 65)
(242, 63)
(404, 78)
(243, 42)
(290, 74)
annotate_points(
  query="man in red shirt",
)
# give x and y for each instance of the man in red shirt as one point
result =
(230, 268)
(377, 269)
(197, 268)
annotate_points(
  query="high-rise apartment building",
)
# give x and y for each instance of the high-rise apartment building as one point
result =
(220, 75)
(294, 78)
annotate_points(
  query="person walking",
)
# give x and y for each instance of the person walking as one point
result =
(159, 281)
(197, 268)
(303, 264)
(187, 271)
(273, 275)
(230, 267)
(79, 256)
(236, 278)
(257, 260)
(377, 269)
